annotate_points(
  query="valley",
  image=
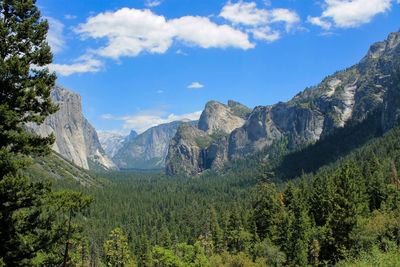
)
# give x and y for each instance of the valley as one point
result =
(311, 181)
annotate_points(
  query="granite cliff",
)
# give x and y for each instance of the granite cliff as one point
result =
(76, 139)
(346, 95)
(112, 142)
(147, 150)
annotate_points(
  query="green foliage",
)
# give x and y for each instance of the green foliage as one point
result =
(24, 98)
(116, 249)
(241, 111)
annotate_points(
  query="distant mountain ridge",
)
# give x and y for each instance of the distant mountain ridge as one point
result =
(147, 150)
(351, 94)
(76, 139)
(112, 142)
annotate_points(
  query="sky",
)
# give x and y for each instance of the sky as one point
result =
(140, 63)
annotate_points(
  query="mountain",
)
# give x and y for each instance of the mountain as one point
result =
(147, 150)
(188, 149)
(112, 142)
(347, 95)
(76, 139)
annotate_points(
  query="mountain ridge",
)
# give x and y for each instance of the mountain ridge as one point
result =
(350, 94)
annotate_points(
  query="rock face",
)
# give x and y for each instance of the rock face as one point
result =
(218, 118)
(193, 150)
(147, 150)
(76, 139)
(112, 142)
(346, 95)
(187, 150)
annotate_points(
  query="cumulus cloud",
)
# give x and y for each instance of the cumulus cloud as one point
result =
(130, 31)
(146, 119)
(80, 65)
(195, 85)
(287, 16)
(202, 32)
(259, 21)
(152, 3)
(247, 13)
(55, 36)
(244, 13)
(265, 33)
(350, 13)
(319, 22)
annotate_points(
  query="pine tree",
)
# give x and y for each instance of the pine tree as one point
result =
(348, 205)
(25, 86)
(116, 249)
(144, 253)
(268, 211)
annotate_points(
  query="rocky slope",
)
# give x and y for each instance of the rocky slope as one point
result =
(147, 150)
(345, 95)
(76, 139)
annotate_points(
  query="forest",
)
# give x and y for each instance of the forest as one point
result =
(342, 209)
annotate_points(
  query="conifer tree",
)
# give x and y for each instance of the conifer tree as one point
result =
(348, 205)
(116, 249)
(25, 85)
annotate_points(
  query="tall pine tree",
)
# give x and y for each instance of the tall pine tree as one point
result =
(25, 86)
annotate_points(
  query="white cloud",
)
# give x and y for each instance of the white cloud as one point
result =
(82, 64)
(55, 36)
(259, 21)
(130, 31)
(265, 33)
(69, 16)
(351, 13)
(152, 3)
(244, 13)
(195, 85)
(160, 92)
(319, 22)
(204, 33)
(146, 119)
(287, 16)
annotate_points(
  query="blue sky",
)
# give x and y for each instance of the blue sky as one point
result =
(139, 63)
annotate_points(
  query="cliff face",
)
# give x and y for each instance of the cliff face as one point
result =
(349, 94)
(218, 118)
(112, 142)
(193, 150)
(147, 150)
(76, 139)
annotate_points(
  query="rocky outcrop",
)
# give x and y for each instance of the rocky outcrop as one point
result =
(347, 95)
(147, 150)
(76, 139)
(187, 151)
(218, 118)
(193, 150)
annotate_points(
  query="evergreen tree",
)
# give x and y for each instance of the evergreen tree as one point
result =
(268, 211)
(25, 86)
(116, 249)
(144, 253)
(349, 205)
